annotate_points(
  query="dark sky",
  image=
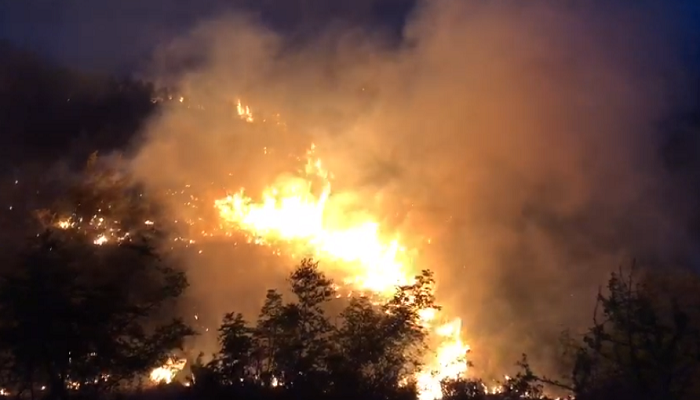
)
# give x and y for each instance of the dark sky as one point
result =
(109, 35)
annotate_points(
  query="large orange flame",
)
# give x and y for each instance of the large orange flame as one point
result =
(290, 212)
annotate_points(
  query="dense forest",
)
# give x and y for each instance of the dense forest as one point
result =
(85, 321)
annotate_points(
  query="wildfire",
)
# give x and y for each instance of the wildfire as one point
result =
(167, 372)
(298, 213)
(298, 216)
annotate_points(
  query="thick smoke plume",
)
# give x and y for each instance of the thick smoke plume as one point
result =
(521, 137)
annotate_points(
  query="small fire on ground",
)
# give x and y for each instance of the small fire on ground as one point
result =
(166, 373)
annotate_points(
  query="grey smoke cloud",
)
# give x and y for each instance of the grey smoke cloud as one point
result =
(519, 136)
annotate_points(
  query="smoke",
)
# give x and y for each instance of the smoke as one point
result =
(521, 137)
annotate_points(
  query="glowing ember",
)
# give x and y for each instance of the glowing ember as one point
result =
(308, 222)
(167, 372)
(97, 227)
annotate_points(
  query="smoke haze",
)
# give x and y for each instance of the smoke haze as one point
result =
(521, 137)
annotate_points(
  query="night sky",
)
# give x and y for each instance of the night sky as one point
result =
(116, 36)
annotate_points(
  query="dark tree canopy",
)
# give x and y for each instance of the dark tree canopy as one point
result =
(306, 348)
(80, 316)
(645, 341)
(366, 350)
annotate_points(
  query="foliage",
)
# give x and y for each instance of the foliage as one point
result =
(523, 385)
(644, 342)
(369, 350)
(366, 350)
(378, 346)
(644, 345)
(75, 315)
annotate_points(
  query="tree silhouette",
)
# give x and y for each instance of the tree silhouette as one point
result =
(379, 346)
(236, 340)
(84, 317)
(307, 328)
(644, 342)
(269, 333)
(369, 349)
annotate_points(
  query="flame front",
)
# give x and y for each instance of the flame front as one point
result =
(291, 212)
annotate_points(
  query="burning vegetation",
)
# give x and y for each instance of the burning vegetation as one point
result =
(295, 217)
(354, 197)
(375, 330)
